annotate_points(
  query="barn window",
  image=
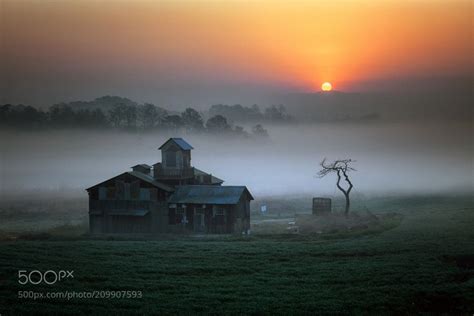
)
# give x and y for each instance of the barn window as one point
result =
(111, 191)
(220, 216)
(145, 194)
(120, 189)
(135, 190)
(199, 210)
(153, 194)
(170, 159)
(186, 161)
(102, 193)
(179, 215)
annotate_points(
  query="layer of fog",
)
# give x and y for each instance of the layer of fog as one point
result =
(402, 158)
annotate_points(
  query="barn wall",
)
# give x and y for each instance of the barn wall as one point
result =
(120, 224)
(214, 223)
(96, 223)
(154, 222)
(242, 215)
(159, 217)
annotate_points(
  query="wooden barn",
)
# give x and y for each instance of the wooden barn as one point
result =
(170, 196)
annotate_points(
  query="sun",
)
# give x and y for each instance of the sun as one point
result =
(327, 86)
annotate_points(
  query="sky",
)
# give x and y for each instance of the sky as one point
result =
(229, 51)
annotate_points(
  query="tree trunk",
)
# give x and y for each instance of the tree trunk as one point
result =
(348, 205)
(340, 166)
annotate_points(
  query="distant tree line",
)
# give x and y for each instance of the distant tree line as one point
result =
(239, 113)
(123, 114)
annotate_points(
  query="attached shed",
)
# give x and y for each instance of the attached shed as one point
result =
(210, 209)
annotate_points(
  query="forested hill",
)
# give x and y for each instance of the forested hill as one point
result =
(113, 112)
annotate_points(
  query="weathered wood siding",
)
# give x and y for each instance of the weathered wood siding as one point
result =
(117, 206)
(217, 219)
(104, 219)
(242, 215)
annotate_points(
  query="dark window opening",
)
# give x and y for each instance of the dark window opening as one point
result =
(135, 190)
(111, 193)
(179, 215)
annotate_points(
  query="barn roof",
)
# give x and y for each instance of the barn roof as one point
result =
(151, 180)
(126, 212)
(143, 165)
(208, 194)
(180, 142)
(214, 180)
(141, 176)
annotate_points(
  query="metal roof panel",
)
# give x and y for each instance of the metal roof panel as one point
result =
(128, 212)
(184, 145)
(208, 194)
(140, 176)
(214, 180)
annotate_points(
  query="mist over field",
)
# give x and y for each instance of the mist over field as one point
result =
(408, 157)
(264, 91)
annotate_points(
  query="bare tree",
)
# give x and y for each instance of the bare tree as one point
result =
(341, 168)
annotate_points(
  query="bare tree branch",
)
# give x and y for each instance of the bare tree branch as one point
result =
(339, 166)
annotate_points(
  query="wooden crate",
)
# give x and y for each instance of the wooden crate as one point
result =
(321, 206)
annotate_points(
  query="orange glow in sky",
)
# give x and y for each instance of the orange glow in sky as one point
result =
(290, 43)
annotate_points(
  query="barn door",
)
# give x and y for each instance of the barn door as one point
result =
(199, 223)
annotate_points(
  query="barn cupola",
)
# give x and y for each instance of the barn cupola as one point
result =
(175, 158)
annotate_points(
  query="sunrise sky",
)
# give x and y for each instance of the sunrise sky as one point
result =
(67, 50)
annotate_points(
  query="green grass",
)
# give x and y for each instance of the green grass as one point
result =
(421, 263)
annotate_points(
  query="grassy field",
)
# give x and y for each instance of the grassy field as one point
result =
(422, 262)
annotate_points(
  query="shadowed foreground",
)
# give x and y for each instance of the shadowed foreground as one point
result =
(425, 264)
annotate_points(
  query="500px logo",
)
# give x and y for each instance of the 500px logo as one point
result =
(49, 277)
